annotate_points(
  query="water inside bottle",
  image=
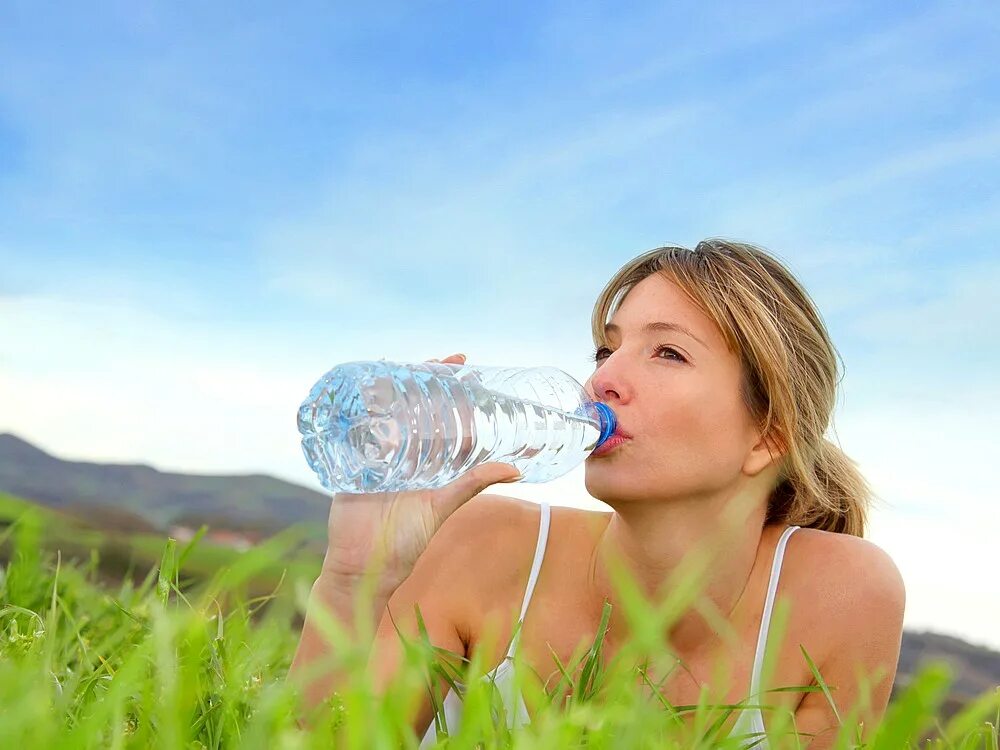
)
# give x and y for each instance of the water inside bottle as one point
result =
(424, 425)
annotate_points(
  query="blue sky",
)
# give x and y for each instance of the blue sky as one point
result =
(204, 209)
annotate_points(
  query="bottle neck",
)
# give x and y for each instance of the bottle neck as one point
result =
(608, 422)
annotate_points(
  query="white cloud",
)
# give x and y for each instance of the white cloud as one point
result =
(801, 205)
(960, 311)
(977, 145)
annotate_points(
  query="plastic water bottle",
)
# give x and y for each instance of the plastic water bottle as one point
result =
(380, 426)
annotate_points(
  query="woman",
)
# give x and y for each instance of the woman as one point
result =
(723, 379)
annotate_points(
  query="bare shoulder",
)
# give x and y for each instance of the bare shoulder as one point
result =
(472, 551)
(491, 540)
(492, 507)
(490, 524)
(849, 583)
(845, 559)
(480, 544)
(488, 520)
(853, 619)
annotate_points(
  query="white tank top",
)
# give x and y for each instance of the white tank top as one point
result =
(749, 722)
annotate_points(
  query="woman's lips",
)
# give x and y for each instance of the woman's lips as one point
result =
(611, 443)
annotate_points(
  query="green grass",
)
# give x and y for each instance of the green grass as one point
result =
(115, 553)
(172, 661)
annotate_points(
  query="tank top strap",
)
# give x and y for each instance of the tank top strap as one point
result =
(765, 620)
(536, 565)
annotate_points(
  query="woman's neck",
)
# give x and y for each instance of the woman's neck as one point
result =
(657, 544)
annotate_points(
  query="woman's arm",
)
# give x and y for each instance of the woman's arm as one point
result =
(444, 583)
(330, 597)
(866, 598)
(467, 562)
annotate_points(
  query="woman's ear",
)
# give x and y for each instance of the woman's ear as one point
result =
(769, 449)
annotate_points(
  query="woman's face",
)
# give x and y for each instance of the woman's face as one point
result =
(691, 433)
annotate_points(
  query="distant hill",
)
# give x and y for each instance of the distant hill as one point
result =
(137, 497)
(975, 669)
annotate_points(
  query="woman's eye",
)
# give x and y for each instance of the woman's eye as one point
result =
(661, 349)
(602, 351)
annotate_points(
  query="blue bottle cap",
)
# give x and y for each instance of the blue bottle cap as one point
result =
(609, 423)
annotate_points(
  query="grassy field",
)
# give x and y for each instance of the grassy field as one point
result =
(191, 655)
(113, 555)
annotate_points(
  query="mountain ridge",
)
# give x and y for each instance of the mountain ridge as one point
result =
(256, 502)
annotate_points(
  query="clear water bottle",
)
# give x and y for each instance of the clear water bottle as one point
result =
(380, 426)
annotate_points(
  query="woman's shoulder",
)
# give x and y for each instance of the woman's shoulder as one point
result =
(842, 576)
(493, 539)
(486, 538)
(841, 556)
(847, 605)
(495, 518)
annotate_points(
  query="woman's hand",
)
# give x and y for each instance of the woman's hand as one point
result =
(388, 531)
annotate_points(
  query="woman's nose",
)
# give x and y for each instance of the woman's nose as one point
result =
(601, 388)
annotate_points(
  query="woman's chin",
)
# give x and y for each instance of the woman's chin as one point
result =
(599, 480)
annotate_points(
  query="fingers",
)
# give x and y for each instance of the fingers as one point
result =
(475, 481)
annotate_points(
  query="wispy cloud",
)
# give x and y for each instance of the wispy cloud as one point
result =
(462, 207)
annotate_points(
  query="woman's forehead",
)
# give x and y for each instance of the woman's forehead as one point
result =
(658, 300)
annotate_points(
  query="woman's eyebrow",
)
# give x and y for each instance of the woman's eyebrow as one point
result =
(658, 326)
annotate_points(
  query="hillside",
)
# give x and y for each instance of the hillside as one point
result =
(137, 497)
(976, 669)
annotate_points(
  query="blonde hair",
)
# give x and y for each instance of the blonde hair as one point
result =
(789, 369)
